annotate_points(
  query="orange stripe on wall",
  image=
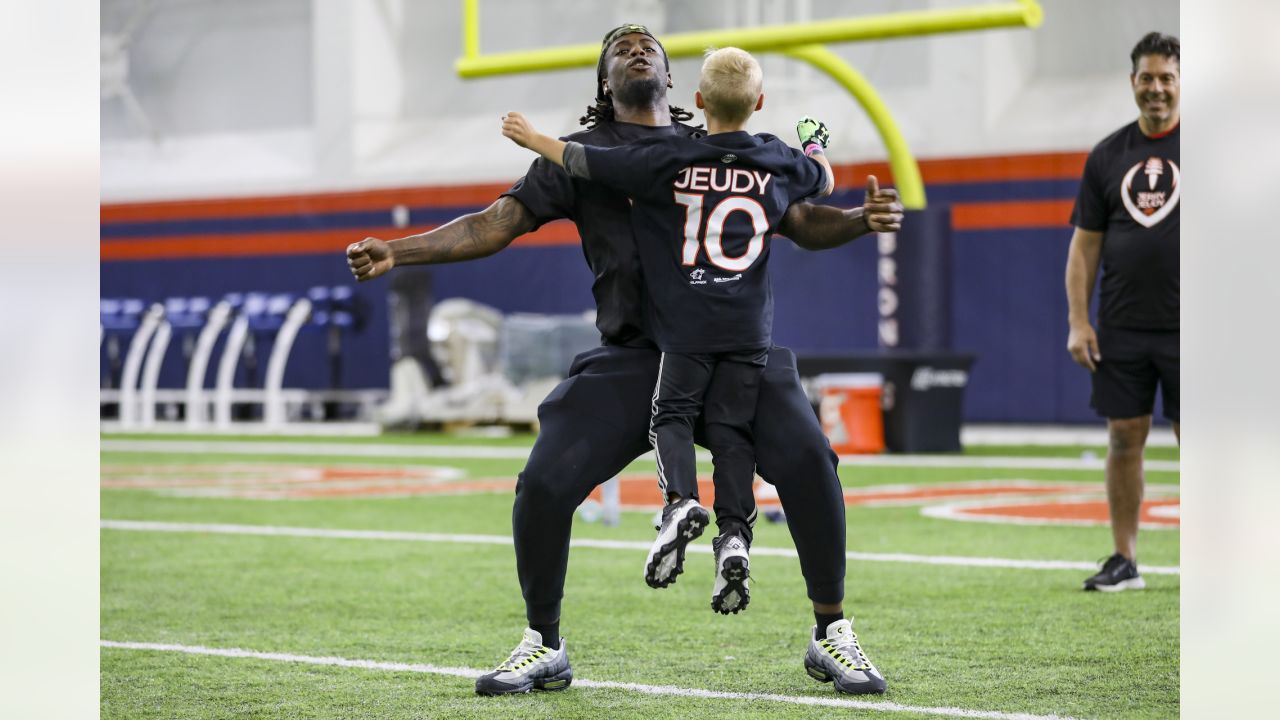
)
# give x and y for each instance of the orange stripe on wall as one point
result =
(855, 176)
(947, 171)
(560, 232)
(1040, 166)
(294, 243)
(1006, 215)
(209, 246)
(451, 196)
(964, 216)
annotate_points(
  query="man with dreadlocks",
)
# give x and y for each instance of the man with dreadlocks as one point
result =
(710, 308)
(596, 422)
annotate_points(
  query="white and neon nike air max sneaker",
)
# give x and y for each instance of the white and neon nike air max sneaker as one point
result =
(838, 657)
(731, 592)
(532, 666)
(682, 523)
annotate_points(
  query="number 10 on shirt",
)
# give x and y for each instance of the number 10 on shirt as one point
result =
(715, 226)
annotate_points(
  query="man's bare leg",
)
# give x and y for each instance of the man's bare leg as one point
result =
(1125, 480)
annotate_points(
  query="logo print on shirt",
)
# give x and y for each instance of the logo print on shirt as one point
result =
(695, 277)
(1152, 201)
(728, 158)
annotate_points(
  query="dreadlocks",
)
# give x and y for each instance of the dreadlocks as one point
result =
(602, 111)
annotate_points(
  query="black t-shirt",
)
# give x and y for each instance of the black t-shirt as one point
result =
(704, 212)
(603, 217)
(1130, 193)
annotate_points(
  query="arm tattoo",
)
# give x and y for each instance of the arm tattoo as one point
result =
(819, 227)
(469, 237)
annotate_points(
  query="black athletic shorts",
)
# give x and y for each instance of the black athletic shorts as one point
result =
(1133, 363)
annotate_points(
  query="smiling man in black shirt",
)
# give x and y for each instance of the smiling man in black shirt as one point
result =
(596, 422)
(1127, 219)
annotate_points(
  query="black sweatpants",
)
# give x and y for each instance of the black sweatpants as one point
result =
(721, 387)
(597, 421)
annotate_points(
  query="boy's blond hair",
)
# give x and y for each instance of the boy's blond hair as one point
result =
(730, 83)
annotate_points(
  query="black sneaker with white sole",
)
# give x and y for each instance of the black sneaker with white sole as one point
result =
(531, 666)
(731, 592)
(682, 523)
(1118, 573)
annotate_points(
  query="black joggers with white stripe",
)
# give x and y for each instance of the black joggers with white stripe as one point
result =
(722, 388)
(596, 422)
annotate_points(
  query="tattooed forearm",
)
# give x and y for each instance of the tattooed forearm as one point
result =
(469, 237)
(818, 227)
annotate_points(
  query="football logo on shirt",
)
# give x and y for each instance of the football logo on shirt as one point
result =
(1154, 194)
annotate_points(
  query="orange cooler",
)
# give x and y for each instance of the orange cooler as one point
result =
(850, 411)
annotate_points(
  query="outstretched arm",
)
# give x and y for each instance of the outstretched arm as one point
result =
(820, 227)
(522, 133)
(469, 237)
(629, 169)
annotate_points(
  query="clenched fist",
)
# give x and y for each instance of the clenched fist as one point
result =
(369, 258)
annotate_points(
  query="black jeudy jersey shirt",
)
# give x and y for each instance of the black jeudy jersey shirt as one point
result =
(603, 217)
(703, 215)
(1131, 192)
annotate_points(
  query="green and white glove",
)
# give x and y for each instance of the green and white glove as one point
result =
(813, 135)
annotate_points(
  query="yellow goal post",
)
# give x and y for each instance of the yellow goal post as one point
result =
(803, 41)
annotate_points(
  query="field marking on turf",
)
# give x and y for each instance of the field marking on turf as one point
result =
(1156, 513)
(579, 682)
(273, 530)
(482, 452)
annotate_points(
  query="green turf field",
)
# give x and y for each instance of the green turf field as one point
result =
(432, 607)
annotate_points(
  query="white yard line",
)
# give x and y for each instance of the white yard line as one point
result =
(991, 434)
(581, 682)
(1019, 463)
(329, 449)
(483, 452)
(956, 561)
